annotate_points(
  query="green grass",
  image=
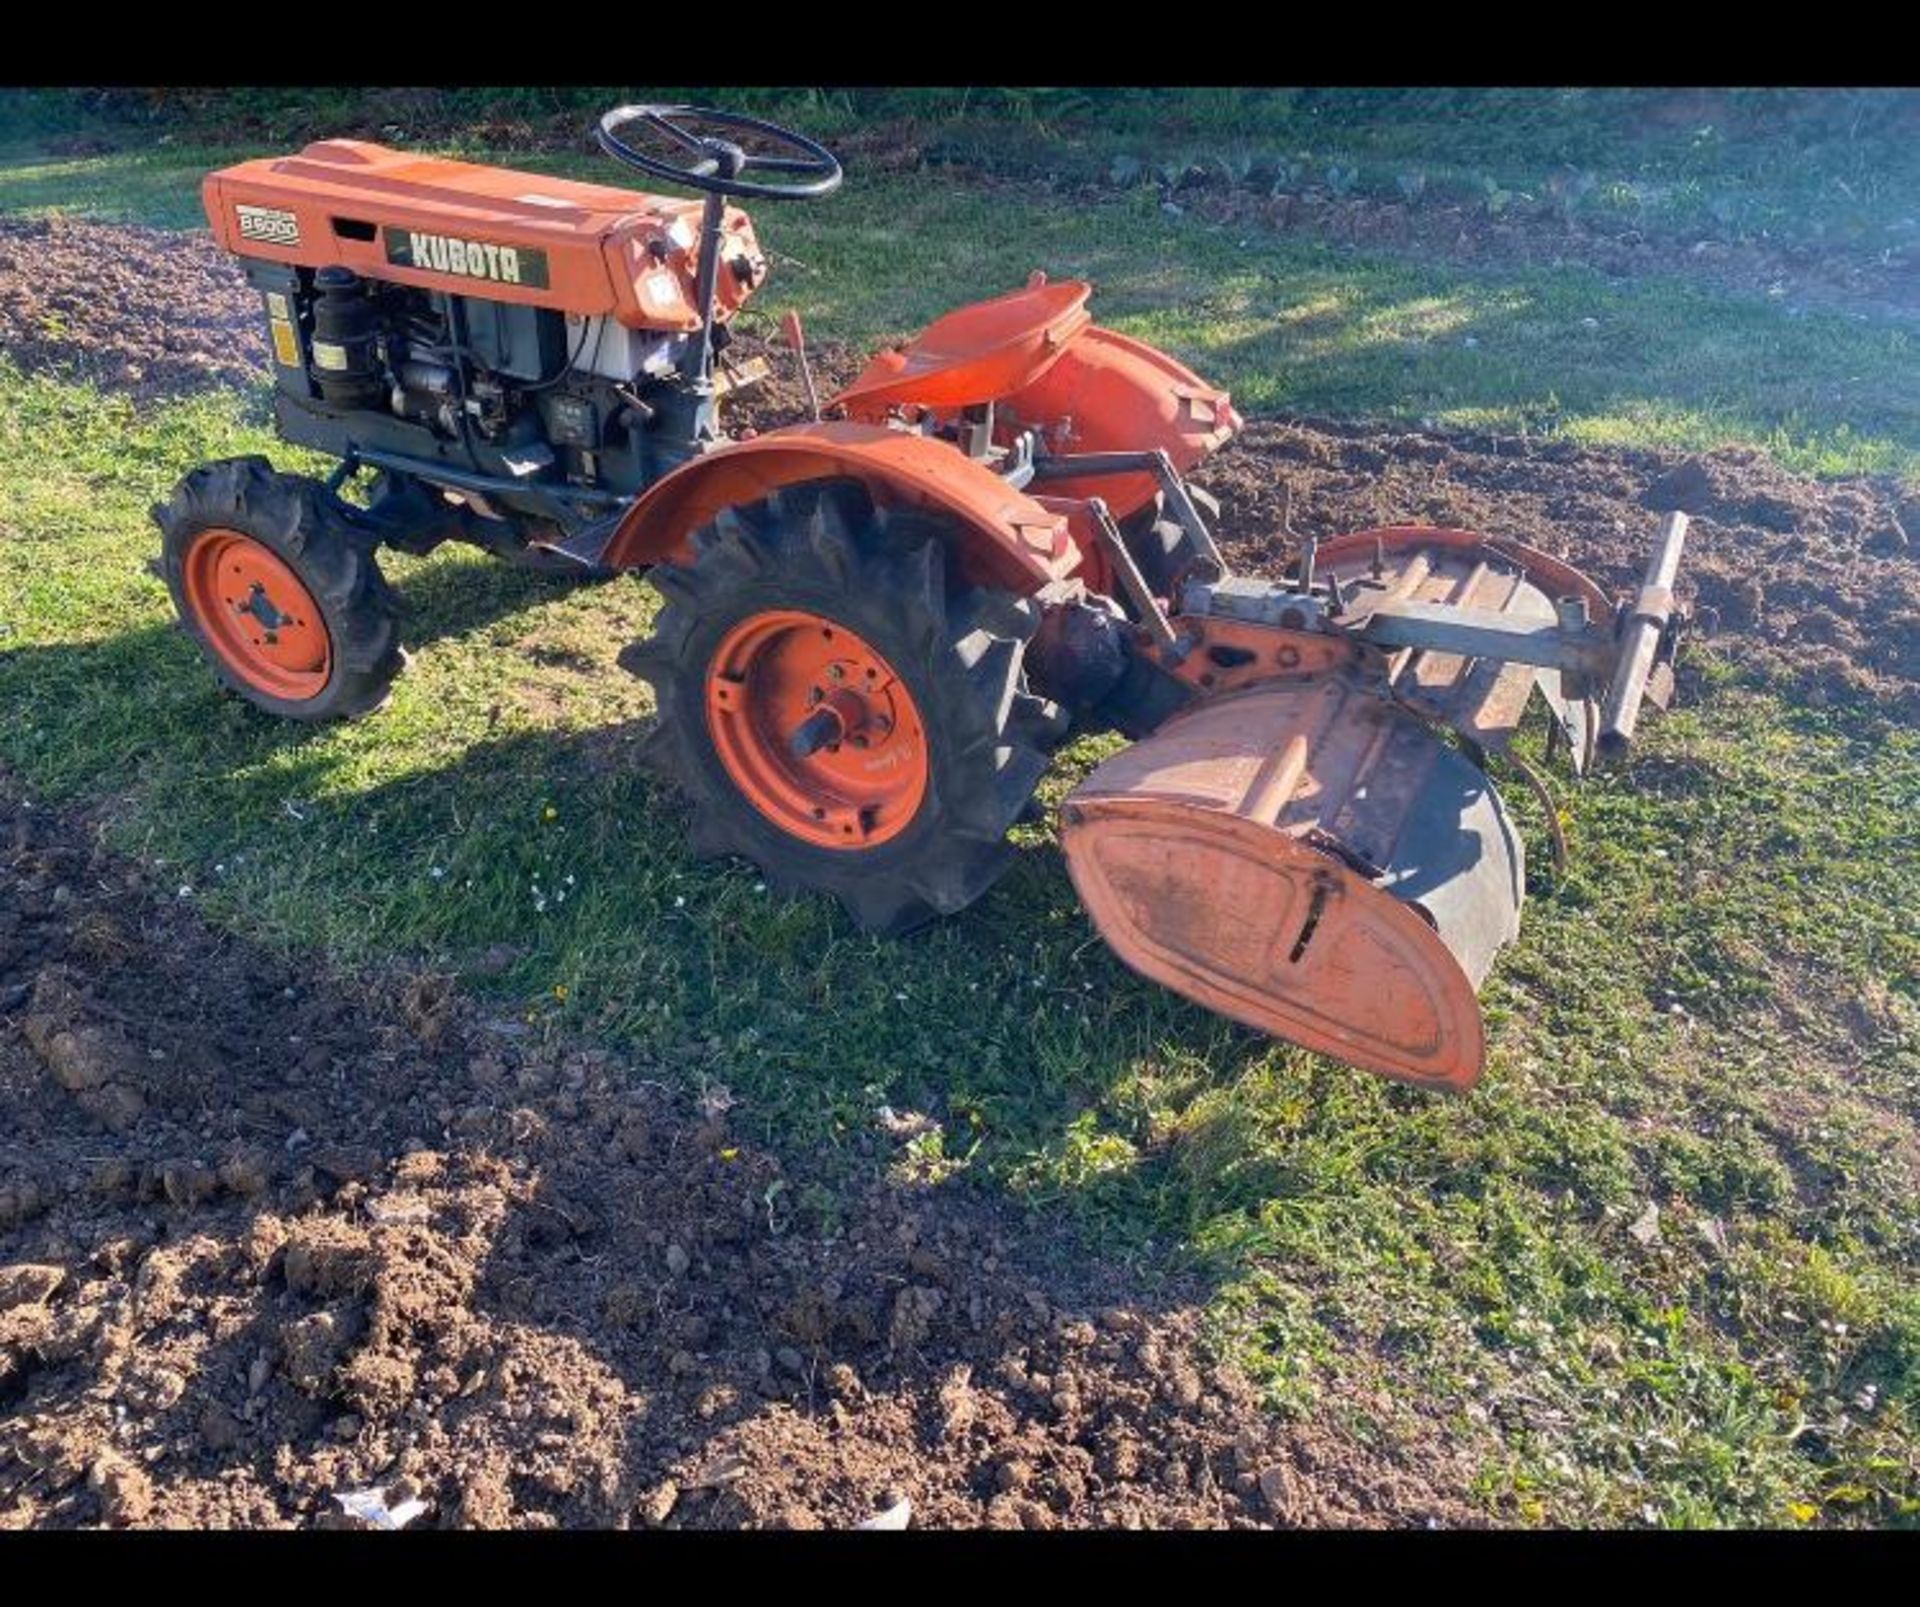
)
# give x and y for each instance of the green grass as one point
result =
(159, 186)
(1716, 1010)
(1832, 166)
(1287, 323)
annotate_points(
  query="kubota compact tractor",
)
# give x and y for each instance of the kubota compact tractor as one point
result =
(879, 624)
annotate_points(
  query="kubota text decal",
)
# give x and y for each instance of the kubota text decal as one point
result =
(467, 259)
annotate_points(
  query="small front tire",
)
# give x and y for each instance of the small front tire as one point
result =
(279, 591)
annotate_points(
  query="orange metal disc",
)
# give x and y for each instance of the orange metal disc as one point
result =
(779, 672)
(258, 616)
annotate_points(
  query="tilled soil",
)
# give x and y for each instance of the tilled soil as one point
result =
(145, 311)
(267, 1237)
(1811, 583)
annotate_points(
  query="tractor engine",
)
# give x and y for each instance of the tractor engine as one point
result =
(529, 392)
(525, 345)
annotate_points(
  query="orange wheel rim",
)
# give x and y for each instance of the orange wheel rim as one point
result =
(257, 615)
(817, 730)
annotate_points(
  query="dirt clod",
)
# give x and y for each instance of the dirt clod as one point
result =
(125, 1490)
(29, 1285)
(200, 1327)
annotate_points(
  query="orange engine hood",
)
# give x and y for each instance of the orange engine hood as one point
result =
(587, 249)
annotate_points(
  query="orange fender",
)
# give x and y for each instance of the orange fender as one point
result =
(975, 354)
(1019, 545)
(1110, 393)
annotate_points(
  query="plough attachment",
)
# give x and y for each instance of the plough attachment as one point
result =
(1301, 849)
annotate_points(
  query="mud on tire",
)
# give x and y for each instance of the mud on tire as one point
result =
(299, 524)
(881, 573)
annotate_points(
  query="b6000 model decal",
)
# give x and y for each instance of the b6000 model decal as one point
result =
(467, 259)
(268, 224)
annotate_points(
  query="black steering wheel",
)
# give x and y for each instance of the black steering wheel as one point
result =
(716, 163)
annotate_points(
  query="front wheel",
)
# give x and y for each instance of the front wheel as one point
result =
(837, 712)
(279, 591)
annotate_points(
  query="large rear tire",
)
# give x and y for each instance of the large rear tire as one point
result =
(279, 591)
(838, 712)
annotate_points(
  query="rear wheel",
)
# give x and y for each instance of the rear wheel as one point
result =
(279, 591)
(836, 713)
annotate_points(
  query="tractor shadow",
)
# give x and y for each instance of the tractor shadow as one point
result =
(95, 709)
(550, 873)
(458, 590)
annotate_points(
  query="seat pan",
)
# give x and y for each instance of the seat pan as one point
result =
(975, 354)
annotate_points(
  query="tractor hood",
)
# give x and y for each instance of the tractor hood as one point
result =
(587, 249)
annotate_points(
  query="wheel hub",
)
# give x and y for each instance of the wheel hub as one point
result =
(817, 729)
(257, 615)
(260, 605)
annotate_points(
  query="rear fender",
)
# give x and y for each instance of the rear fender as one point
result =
(1111, 393)
(1013, 542)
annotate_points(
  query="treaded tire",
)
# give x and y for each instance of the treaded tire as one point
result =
(824, 547)
(298, 521)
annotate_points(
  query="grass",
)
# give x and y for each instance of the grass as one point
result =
(1289, 323)
(1714, 1013)
(1830, 166)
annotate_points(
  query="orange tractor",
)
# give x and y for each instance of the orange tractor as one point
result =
(880, 624)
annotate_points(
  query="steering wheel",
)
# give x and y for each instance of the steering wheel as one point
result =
(715, 163)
